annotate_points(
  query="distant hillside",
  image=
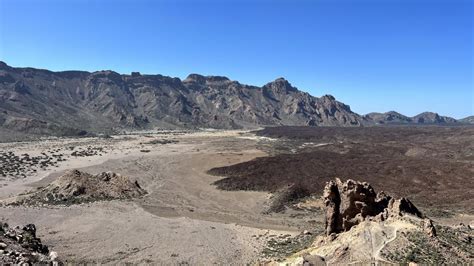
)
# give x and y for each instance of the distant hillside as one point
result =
(433, 118)
(388, 117)
(467, 120)
(393, 117)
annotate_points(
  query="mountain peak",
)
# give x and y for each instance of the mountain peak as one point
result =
(217, 79)
(203, 79)
(281, 79)
(195, 78)
(328, 97)
(393, 113)
(280, 85)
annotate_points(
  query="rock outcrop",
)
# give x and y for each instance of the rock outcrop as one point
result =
(21, 246)
(365, 227)
(350, 203)
(77, 187)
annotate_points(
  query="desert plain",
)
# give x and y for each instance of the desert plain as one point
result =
(230, 196)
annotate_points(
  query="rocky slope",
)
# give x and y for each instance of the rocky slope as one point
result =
(76, 102)
(76, 187)
(393, 117)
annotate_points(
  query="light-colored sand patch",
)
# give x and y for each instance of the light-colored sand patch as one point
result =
(113, 232)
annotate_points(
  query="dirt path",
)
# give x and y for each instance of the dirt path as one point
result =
(376, 254)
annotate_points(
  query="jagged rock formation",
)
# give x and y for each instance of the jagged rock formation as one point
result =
(350, 203)
(76, 187)
(364, 227)
(20, 246)
(393, 117)
(69, 102)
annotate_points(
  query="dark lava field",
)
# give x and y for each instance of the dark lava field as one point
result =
(432, 165)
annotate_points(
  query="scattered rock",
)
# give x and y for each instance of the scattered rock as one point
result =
(161, 141)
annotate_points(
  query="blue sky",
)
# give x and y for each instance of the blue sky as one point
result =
(375, 55)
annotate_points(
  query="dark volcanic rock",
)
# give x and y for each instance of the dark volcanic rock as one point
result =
(21, 246)
(416, 162)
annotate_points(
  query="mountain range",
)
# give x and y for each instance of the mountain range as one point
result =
(76, 102)
(393, 117)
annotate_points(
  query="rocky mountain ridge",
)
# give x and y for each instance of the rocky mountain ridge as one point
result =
(393, 117)
(43, 102)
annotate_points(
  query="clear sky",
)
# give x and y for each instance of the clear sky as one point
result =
(375, 55)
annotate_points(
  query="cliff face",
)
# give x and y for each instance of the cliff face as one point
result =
(42, 101)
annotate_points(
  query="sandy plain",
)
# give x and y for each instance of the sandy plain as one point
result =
(183, 219)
